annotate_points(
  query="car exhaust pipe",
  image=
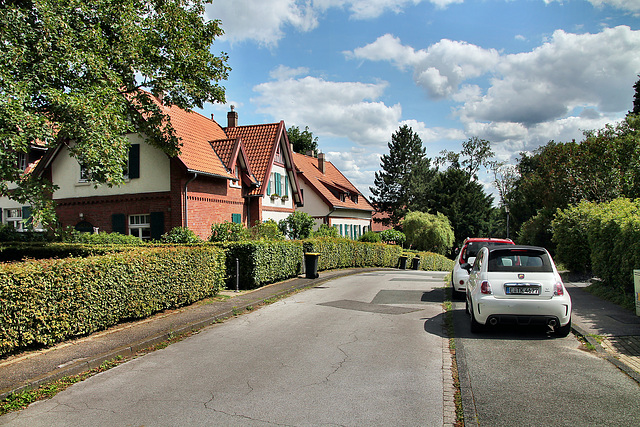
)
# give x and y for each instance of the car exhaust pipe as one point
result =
(552, 323)
(493, 321)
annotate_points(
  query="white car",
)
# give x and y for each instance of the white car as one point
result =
(467, 254)
(517, 285)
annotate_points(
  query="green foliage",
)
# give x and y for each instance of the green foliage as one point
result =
(393, 236)
(228, 232)
(38, 250)
(325, 231)
(72, 71)
(370, 237)
(47, 301)
(570, 229)
(266, 230)
(180, 235)
(391, 191)
(537, 230)
(430, 261)
(103, 238)
(298, 225)
(347, 253)
(302, 141)
(262, 261)
(9, 234)
(425, 231)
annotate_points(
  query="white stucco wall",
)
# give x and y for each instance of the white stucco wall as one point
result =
(154, 175)
(278, 202)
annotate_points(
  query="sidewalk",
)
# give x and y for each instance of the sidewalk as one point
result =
(612, 330)
(619, 329)
(30, 369)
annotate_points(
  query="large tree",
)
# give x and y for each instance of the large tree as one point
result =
(71, 72)
(302, 141)
(391, 193)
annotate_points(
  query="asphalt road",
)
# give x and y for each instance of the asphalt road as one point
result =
(523, 377)
(360, 350)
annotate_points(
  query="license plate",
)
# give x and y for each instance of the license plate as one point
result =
(522, 290)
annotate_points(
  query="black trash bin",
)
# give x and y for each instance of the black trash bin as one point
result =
(311, 265)
(415, 263)
(402, 263)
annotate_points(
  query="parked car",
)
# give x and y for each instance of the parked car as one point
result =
(517, 285)
(467, 254)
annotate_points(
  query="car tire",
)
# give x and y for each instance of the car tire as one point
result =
(563, 331)
(475, 326)
(466, 306)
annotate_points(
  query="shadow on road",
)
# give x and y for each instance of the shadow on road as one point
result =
(499, 332)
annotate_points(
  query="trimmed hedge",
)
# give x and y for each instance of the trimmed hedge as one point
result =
(17, 251)
(262, 261)
(345, 253)
(47, 301)
(604, 237)
(430, 261)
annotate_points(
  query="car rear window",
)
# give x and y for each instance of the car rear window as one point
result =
(524, 260)
(473, 248)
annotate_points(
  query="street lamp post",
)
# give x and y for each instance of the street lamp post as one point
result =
(506, 208)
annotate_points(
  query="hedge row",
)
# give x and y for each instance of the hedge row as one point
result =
(345, 253)
(603, 238)
(47, 301)
(262, 261)
(430, 261)
(20, 251)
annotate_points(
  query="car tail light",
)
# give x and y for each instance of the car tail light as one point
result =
(485, 287)
(559, 290)
(462, 282)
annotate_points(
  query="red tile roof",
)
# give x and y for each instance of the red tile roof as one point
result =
(331, 179)
(195, 131)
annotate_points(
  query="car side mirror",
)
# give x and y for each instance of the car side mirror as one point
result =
(467, 267)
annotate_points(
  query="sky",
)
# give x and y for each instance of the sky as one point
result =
(517, 73)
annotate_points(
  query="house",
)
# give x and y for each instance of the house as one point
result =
(217, 177)
(330, 198)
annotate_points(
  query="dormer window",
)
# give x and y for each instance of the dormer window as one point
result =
(354, 198)
(278, 157)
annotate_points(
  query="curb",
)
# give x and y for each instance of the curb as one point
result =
(605, 354)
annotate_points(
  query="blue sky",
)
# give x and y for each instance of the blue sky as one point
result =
(517, 73)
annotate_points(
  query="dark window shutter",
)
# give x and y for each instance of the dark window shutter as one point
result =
(237, 218)
(26, 216)
(286, 185)
(119, 223)
(134, 161)
(157, 224)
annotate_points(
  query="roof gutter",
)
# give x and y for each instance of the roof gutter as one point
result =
(186, 202)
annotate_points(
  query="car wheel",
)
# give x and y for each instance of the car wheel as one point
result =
(563, 331)
(466, 306)
(475, 326)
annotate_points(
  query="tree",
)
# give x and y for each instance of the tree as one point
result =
(392, 193)
(72, 72)
(636, 98)
(475, 153)
(428, 232)
(302, 141)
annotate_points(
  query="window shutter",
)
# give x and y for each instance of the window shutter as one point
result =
(119, 223)
(286, 185)
(26, 216)
(341, 230)
(156, 222)
(236, 218)
(269, 186)
(278, 184)
(134, 161)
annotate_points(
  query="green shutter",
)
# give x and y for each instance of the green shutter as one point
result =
(269, 186)
(134, 161)
(119, 223)
(156, 220)
(278, 183)
(236, 218)
(286, 185)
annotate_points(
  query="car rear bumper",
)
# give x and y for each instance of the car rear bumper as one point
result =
(522, 311)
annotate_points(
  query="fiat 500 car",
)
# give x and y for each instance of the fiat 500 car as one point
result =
(467, 254)
(517, 285)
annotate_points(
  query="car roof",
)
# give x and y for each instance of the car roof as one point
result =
(487, 239)
(516, 248)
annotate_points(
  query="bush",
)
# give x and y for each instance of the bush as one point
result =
(570, 235)
(345, 253)
(391, 236)
(228, 232)
(180, 235)
(325, 231)
(370, 237)
(429, 232)
(296, 226)
(266, 230)
(103, 238)
(536, 231)
(45, 302)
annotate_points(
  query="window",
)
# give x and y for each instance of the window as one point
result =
(140, 226)
(277, 185)
(84, 174)
(236, 218)
(22, 161)
(236, 173)
(278, 157)
(13, 218)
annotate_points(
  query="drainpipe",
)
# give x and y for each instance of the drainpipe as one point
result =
(186, 208)
(329, 214)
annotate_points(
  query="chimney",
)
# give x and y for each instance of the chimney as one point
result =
(309, 153)
(212, 117)
(232, 118)
(321, 162)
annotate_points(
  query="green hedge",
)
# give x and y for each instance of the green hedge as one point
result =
(262, 261)
(47, 301)
(603, 237)
(430, 261)
(345, 253)
(17, 251)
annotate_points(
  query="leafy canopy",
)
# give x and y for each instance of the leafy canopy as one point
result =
(71, 72)
(302, 141)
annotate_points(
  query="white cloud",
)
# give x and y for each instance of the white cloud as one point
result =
(628, 5)
(265, 21)
(335, 109)
(358, 165)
